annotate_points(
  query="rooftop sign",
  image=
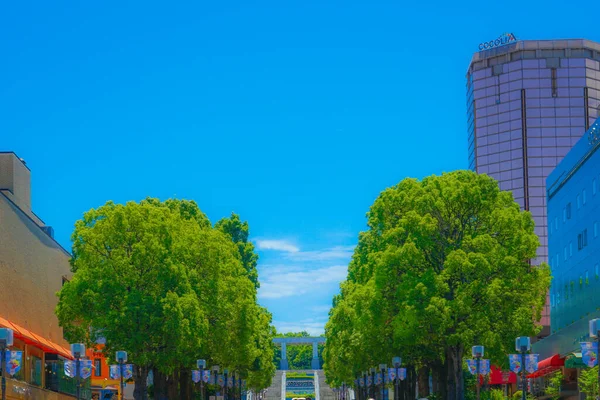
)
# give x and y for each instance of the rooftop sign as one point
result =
(505, 38)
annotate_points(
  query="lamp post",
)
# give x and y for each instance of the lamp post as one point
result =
(382, 368)
(373, 391)
(215, 369)
(6, 340)
(78, 350)
(396, 361)
(122, 359)
(477, 352)
(201, 365)
(522, 345)
(225, 373)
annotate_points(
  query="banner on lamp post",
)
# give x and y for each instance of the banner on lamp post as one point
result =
(531, 363)
(402, 373)
(392, 374)
(515, 363)
(589, 353)
(14, 361)
(196, 376)
(85, 369)
(472, 365)
(206, 376)
(484, 367)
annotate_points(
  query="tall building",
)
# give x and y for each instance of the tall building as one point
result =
(574, 255)
(33, 267)
(528, 103)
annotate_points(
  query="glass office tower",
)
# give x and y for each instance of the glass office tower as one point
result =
(528, 103)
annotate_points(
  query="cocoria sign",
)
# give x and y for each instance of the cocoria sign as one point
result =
(505, 38)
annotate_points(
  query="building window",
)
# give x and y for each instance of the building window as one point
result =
(595, 229)
(568, 210)
(579, 241)
(556, 223)
(578, 202)
(565, 214)
(97, 367)
(594, 187)
(584, 237)
(565, 254)
(570, 249)
(584, 197)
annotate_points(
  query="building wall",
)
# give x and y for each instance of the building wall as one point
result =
(574, 229)
(527, 104)
(32, 266)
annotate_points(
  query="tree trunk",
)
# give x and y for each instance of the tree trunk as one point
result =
(172, 386)
(141, 385)
(423, 382)
(185, 387)
(455, 382)
(160, 385)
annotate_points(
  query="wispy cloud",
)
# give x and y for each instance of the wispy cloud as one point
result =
(314, 327)
(332, 253)
(278, 245)
(287, 282)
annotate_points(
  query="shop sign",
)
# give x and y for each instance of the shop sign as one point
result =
(505, 38)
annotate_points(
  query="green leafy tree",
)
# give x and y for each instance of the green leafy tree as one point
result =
(238, 231)
(588, 382)
(156, 279)
(443, 266)
(554, 384)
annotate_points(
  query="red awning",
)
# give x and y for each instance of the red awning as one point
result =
(547, 366)
(31, 338)
(499, 377)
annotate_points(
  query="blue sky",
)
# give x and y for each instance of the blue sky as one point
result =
(294, 114)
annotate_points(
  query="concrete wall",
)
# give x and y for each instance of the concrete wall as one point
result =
(32, 266)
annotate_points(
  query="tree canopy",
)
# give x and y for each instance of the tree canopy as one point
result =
(444, 265)
(157, 280)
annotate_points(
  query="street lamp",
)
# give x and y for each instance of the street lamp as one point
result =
(215, 369)
(78, 351)
(201, 364)
(522, 345)
(122, 359)
(397, 362)
(382, 368)
(225, 373)
(477, 352)
(373, 391)
(6, 340)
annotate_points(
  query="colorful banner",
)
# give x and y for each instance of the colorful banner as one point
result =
(70, 369)
(206, 376)
(378, 378)
(386, 378)
(127, 371)
(85, 369)
(392, 374)
(196, 376)
(589, 353)
(369, 380)
(472, 364)
(515, 363)
(14, 361)
(484, 367)
(221, 380)
(531, 363)
(114, 372)
(402, 373)
(361, 382)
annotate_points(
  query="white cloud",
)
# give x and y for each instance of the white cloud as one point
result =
(278, 245)
(287, 282)
(333, 253)
(322, 309)
(314, 327)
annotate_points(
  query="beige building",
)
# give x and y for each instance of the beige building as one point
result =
(33, 267)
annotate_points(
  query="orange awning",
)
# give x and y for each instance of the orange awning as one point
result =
(31, 338)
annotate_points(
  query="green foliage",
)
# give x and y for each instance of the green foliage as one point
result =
(588, 382)
(299, 355)
(554, 384)
(157, 280)
(442, 267)
(519, 394)
(299, 375)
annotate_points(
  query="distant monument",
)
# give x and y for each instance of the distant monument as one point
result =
(284, 341)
